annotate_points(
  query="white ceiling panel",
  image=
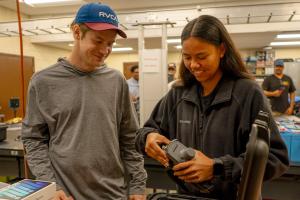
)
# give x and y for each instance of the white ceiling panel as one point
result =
(131, 12)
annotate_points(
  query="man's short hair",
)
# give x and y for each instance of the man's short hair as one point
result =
(83, 28)
(133, 68)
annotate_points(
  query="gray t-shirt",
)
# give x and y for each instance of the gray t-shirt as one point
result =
(272, 83)
(79, 130)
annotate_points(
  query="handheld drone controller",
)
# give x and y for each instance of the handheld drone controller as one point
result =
(178, 153)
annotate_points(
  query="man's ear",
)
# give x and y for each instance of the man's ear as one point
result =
(76, 32)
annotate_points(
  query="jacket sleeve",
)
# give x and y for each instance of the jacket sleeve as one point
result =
(35, 137)
(154, 124)
(278, 161)
(133, 161)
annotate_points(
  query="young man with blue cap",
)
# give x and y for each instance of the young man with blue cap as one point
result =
(79, 128)
(279, 88)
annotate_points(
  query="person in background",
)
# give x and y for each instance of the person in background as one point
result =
(79, 128)
(171, 72)
(133, 84)
(280, 89)
(171, 75)
(211, 109)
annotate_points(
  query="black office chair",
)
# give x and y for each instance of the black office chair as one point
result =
(256, 159)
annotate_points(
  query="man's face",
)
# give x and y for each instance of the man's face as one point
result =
(278, 70)
(171, 70)
(135, 74)
(95, 47)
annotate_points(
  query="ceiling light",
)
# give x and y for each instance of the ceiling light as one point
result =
(178, 47)
(172, 41)
(122, 49)
(50, 2)
(267, 48)
(286, 36)
(290, 43)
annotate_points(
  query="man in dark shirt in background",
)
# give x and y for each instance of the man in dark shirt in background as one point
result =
(279, 88)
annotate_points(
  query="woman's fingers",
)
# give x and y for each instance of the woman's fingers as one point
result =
(153, 149)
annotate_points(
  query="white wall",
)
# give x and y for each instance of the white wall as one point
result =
(287, 53)
(174, 58)
(116, 60)
(43, 56)
(9, 15)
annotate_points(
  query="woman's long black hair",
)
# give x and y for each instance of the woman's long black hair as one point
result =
(211, 30)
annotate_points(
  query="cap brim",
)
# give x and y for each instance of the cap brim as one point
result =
(105, 26)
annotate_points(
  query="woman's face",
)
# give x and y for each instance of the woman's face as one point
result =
(202, 59)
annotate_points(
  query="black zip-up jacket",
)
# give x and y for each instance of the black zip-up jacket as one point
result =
(222, 131)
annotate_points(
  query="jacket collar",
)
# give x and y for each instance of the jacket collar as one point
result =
(223, 94)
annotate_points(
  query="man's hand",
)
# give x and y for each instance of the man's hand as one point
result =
(197, 170)
(289, 111)
(277, 93)
(153, 149)
(61, 195)
(137, 197)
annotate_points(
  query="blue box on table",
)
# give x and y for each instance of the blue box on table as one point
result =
(287, 138)
(295, 148)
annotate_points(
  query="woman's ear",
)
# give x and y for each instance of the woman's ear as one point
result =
(222, 50)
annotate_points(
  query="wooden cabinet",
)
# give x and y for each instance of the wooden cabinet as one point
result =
(10, 82)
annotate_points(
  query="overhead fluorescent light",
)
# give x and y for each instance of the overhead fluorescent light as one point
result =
(178, 47)
(41, 3)
(172, 41)
(288, 43)
(287, 36)
(267, 48)
(122, 49)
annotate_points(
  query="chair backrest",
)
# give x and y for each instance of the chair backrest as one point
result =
(255, 159)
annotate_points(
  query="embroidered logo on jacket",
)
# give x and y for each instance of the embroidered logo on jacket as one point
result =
(184, 121)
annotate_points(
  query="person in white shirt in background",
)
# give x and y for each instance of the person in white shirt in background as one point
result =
(133, 84)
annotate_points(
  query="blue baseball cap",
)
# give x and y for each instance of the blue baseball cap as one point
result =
(279, 62)
(98, 17)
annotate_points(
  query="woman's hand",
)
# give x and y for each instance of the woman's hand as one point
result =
(137, 197)
(153, 149)
(197, 170)
(61, 195)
